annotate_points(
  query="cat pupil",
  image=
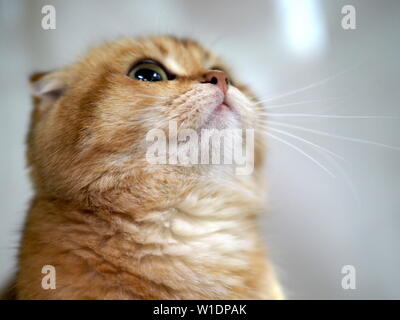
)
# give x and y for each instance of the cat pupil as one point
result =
(147, 75)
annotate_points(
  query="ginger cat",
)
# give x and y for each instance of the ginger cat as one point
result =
(115, 226)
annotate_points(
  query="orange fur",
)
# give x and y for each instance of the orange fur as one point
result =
(116, 227)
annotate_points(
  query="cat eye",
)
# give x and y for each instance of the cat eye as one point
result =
(148, 70)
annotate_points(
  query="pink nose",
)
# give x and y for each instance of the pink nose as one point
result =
(218, 78)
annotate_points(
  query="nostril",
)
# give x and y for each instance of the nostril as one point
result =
(217, 78)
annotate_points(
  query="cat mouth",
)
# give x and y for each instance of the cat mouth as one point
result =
(223, 110)
(221, 116)
(223, 106)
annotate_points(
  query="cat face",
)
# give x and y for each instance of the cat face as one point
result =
(90, 119)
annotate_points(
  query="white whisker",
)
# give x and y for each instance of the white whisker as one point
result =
(329, 155)
(310, 86)
(308, 142)
(302, 152)
(332, 135)
(277, 106)
(346, 177)
(309, 115)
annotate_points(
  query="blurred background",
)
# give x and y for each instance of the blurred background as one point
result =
(297, 56)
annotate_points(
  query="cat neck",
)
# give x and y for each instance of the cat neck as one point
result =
(204, 238)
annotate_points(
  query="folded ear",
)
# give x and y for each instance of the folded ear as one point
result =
(47, 88)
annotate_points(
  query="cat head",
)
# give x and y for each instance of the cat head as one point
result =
(87, 140)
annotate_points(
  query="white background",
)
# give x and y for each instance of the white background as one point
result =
(314, 224)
